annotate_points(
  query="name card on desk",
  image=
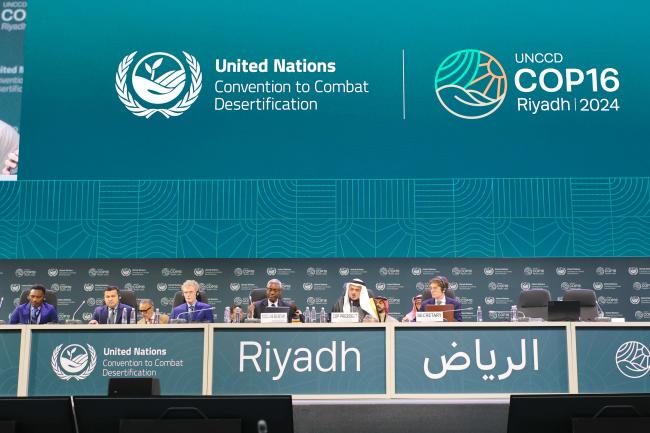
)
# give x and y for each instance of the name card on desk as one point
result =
(273, 318)
(345, 317)
(428, 316)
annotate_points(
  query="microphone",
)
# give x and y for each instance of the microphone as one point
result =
(195, 312)
(72, 320)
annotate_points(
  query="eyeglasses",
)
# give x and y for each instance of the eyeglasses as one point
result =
(145, 310)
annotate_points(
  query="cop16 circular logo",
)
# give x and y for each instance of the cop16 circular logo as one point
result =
(471, 84)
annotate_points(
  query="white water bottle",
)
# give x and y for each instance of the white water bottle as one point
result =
(322, 316)
(226, 315)
(479, 314)
(132, 321)
(513, 313)
(156, 318)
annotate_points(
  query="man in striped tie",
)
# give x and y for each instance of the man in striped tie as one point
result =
(35, 312)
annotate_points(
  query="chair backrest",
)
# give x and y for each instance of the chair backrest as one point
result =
(50, 297)
(588, 302)
(426, 293)
(257, 295)
(534, 303)
(127, 297)
(179, 299)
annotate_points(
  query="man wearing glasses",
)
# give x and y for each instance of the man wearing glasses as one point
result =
(148, 314)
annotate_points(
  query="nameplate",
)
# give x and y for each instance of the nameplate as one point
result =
(273, 318)
(429, 316)
(345, 317)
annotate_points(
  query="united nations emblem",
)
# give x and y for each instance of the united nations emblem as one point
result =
(158, 80)
(74, 361)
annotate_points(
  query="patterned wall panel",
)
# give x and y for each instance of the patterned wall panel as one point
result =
(326, 218)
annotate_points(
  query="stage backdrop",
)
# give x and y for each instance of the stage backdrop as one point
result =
(342, 130)
(621, 285)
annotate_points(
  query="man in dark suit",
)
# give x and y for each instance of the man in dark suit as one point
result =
(273, 298)
(113, 310)
(439, 286)
(192, 310)
(35, 312)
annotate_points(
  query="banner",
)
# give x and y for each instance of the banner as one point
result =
(613, 360)
(9, 361)
(454, 360)
(226, 90)
(299, 361)
(81, 362)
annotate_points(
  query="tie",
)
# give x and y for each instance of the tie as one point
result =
(111, 316)
(273, 304)
(35, 314)
(191, 310)
(438, 302)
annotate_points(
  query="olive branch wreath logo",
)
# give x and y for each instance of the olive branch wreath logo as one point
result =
(179, 108)
(57, 370)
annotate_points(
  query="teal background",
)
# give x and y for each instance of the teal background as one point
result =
(596, 353)
(9, 357)
(371, 343)
(76, 128)
(342, 182)
(180, 344)
(413, 345)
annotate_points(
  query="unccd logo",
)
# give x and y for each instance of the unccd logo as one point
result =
(344, 271)
(489, 300)
(307, 286)
(89, 287)
(471, 84)
(199, 272)
(488, 271)
(52, 272)
(525, 285)
(416, 271)
(272, 271)
(598, 285)
(126, 272)
(380, 286)
(635, 300)
(560, 270)
(235, 287)
(162, 287)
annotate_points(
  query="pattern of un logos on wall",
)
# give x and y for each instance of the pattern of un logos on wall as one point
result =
(326, 218)
(621, 285)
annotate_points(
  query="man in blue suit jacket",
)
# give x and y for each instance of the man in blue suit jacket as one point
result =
(36, 311)
(439, 286)
(192, 310)
(112, 311)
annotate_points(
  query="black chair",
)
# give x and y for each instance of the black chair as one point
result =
(534, 303)
(257, 295)
(588, 302)
(50, 298)
(127, 297)
(426, 294)
(179, 299)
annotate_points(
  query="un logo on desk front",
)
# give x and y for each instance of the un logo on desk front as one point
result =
(74, 361)
(633, 359)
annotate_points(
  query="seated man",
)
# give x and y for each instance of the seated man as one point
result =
(36, 311)
(417, 301)
(381, 303)
(192, 310)
(113, 310)
(148, 313)
(356, 298)
(273, 298)
(439, 286)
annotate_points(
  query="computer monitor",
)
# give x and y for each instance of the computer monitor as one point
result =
(103, 414)
(38, 414)
(555, 412)
(563, 311)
